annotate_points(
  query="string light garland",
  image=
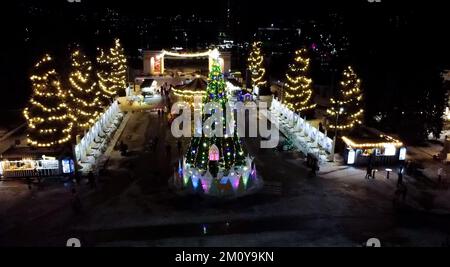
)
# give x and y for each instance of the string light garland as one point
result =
(256, 66)
(84, 96)
(298, 91)
(389, 141)
(112, 73)
(49, 124)
(348, 104)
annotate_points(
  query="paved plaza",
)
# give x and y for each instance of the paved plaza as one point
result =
(133, 204)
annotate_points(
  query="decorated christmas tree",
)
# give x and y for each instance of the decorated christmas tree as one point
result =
(118, 63)
(215, 152)
(112, 71)
(104, 82)
(84, 96)
(298, 90)
(256, 66)
(346, 110)
(49, 124)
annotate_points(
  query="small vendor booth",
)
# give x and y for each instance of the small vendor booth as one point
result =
(43, 166)
(366, 145)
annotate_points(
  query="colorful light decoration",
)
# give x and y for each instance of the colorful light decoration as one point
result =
(84, 100)
(230, 148)
(256, 65)
(348, 104)
(298, 90)
(49, 124)
(112, 73)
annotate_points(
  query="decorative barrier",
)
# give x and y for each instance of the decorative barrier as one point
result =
(305, 137)
(95, 142)
(237, 182)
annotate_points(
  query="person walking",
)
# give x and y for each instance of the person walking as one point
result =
(400, 177)
(439, 174)
(368, 171)
(29, 182)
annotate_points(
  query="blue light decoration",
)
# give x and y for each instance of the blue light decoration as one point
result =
(195, 181)
(68, 166)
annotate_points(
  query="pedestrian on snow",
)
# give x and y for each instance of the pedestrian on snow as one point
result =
(369, 171)
(439, 174)
(400, 177)
(29, 182)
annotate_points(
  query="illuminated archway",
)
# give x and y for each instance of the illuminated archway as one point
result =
(154, 60)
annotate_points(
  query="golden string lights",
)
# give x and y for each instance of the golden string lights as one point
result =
(112, 73)
(347, 107)
(256, 65)
(298, 91)
(47, 112)
(84, 97)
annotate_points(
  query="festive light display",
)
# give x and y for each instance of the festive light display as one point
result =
(112, 72)
(256, 66)
(84, 96)
(49, 124)
(347, 107)
(230, 148)
(298, 90)
(390, 141)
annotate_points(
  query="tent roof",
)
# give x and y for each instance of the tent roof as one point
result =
(198, 84)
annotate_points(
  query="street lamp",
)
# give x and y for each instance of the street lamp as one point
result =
(341, 110)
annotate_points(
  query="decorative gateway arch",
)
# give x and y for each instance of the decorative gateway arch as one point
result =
(154, 60)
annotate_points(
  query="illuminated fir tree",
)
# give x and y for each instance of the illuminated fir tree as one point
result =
(84, 101)
(112, 72)
(298, 90)
(256, 66)
(49, 124)
(229, 147)
(118, 63)
(347, 107)
(104, 83)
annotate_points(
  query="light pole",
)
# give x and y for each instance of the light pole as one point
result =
(335, 134)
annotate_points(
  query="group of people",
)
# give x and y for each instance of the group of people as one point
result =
(164, 89)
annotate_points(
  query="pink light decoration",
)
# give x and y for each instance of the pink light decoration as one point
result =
(214, 153)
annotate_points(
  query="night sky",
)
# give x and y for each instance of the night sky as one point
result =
(403, 32)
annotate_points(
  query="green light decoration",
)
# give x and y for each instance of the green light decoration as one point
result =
(230, 148)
